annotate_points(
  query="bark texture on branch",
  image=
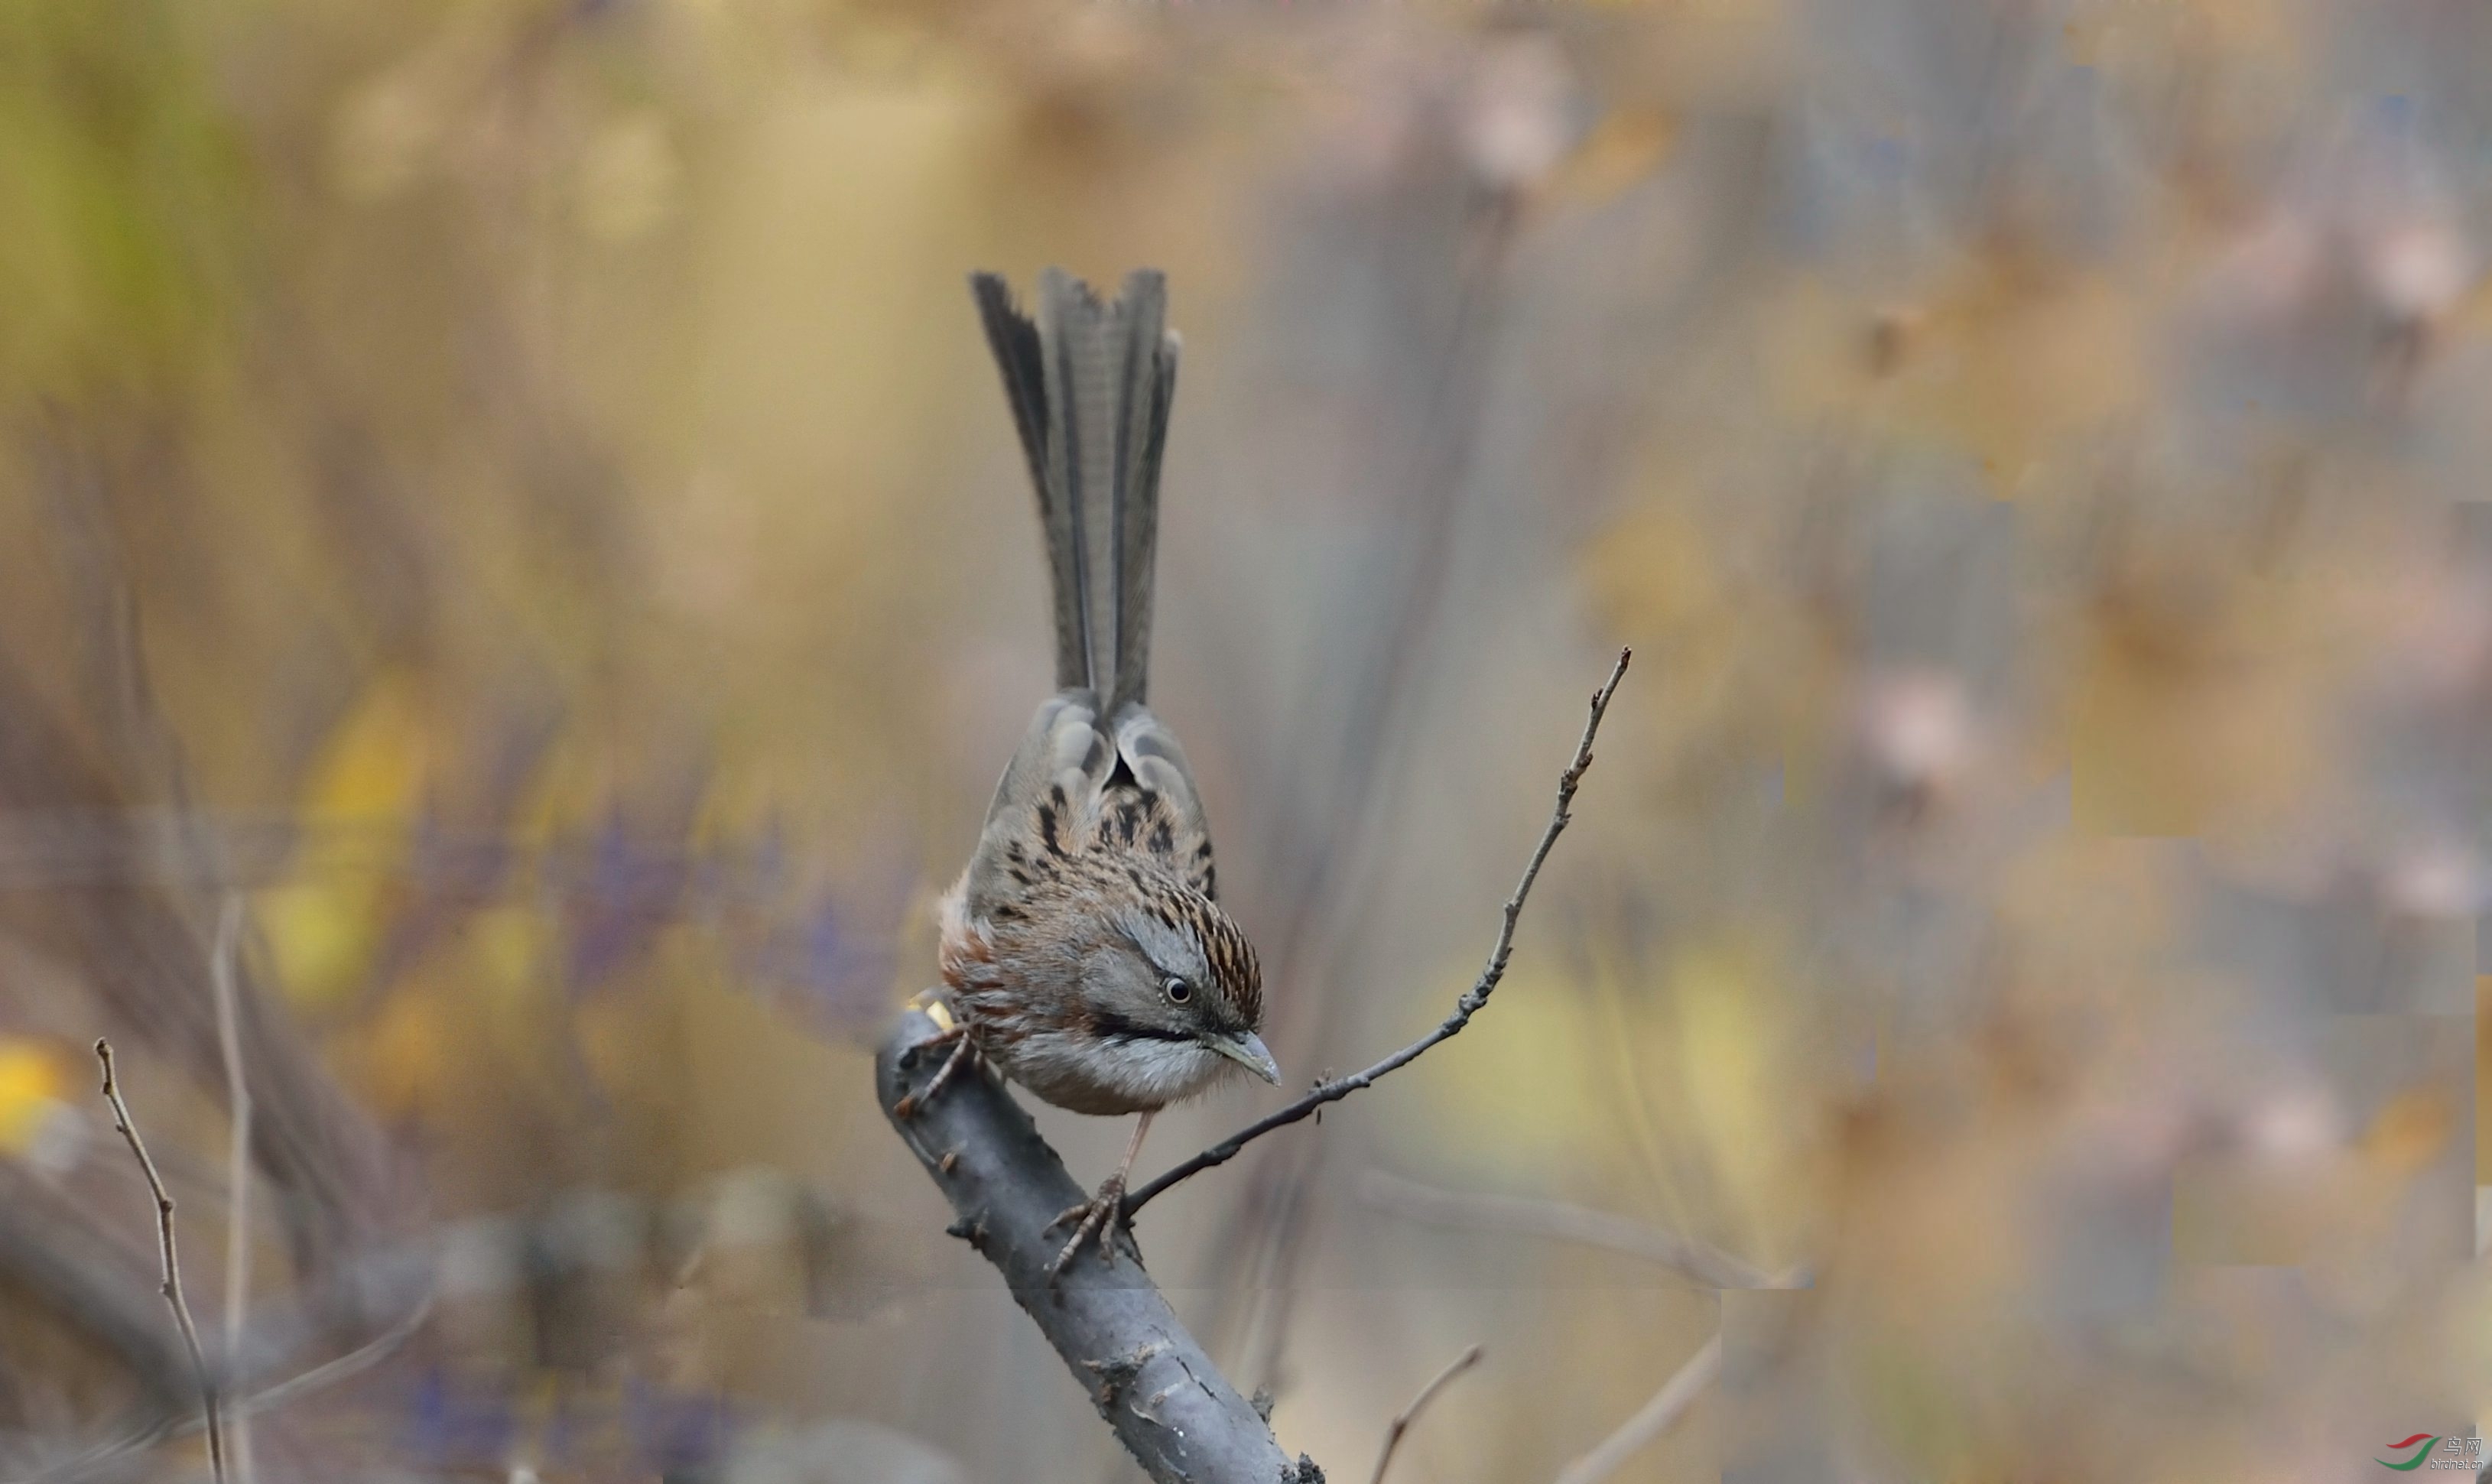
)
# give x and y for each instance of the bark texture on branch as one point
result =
(1169, 1404)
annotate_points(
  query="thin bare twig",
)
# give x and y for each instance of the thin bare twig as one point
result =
(221, 975)
(173, 1264)
(1530, 1216)
(1652, 1420)
(1418, 1404)
(1465, 1008)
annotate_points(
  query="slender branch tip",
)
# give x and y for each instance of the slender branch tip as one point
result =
(1467, 1005)
(1402, 1421)
(172, 1267)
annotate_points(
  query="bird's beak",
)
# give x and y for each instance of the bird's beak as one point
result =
(1249, 1051)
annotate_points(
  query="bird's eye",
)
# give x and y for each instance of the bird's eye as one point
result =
(1176, 990)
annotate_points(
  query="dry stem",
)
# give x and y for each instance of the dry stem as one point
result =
(1652, 1420)
(238, 1170)
(173, 1264)
(1530, 1216)
(1408, 1414)
(1465, 1008)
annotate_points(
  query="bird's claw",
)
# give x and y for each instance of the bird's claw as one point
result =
(961, 1049)
(1102, 1215)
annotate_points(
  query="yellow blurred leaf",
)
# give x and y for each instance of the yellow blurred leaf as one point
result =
(31, 1083)
(2410, 1131)
(1625, 148)
(1730, 1043)
(1519, 1098)
(373, 767)
(359, 797)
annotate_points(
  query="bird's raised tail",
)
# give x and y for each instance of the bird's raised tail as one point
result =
(1090, 386)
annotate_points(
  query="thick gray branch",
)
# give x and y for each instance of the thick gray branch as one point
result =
(1169, 1404)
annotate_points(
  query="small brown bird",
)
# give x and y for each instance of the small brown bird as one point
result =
(1083, 947)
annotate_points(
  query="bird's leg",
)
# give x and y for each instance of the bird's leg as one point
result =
(963, 1048)
(1104, 1212)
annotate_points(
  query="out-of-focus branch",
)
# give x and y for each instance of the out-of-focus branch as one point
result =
(238, 1166)
(1615, 1233)
(1555, 1219)
(1418, 1404)
(172, 1261)
(1464, 1009)
(1650, 1421)
(52, 1256)
(1150, 1381)
(110, 1460)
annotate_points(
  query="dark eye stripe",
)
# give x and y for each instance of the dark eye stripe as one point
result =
(1116, 1027)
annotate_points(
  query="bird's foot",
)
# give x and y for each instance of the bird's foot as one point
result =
(963, 1048)
(1102, 1216)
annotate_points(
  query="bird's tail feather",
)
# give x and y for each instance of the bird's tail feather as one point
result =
(1090, 386)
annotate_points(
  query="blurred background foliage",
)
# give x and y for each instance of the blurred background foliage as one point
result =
(506, 501)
